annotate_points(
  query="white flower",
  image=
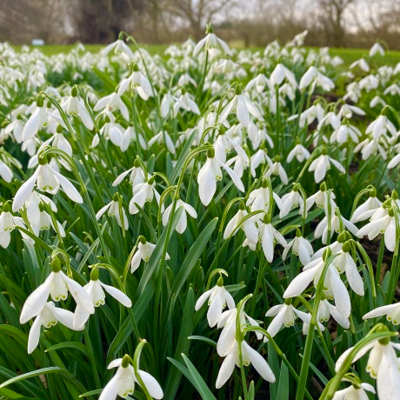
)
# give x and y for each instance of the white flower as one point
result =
(111, 103)
(48, 316)
(381, 224)
(113, 210)
(218, 298)
(248, 226)
(142, 193)
(322, 229)
(249, 356)
(326, 310)
(163, 137)
(35, 122)
(345, 263)
(47, 180)
(323, 163)
(138, 82)
(57, 285)
(182, 223)
(280, 73)
(260, 199)
(291, 200)
(95, 289)
(392, 312)
(376, 49)
(137, 175)
(285, 315)
(300, 152)
(382, 365)
(380, 127)
(268, 236)
(243, 107)
(300, 247)
(211, 41)
(8, 223)
(333, 285)
(123, 382)
(73, 105)
(144, 251)
(277, 170)
(118, 46)
(260, 157)
(360, 63)
(366, 209)
(210, 173)
(354, 393)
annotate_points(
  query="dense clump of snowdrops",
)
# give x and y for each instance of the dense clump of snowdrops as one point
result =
(210, 223)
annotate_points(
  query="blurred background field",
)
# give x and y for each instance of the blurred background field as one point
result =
(348, 55)
(247, 23)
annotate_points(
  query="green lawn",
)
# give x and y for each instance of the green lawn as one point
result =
(348, 55)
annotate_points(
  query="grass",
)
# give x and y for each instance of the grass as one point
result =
(348, 55)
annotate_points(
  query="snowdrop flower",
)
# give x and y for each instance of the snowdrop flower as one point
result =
(168, 103)
(361, 63)
(44, 222)
(8, 223)
(376, 49)
(382, 365)
(123, 382)
(95, 289)
(292, 200)
(259, 83)
(47, 180)
(394, 162)
(380, 127)
(210, 173)
(218, 298)
(315, 78)
(73, 105)
(347, 111)
(144, 251)
(308, 116)
(163, 137)
(385, 225)
(321, 198)
(285, 315)
(5, 171)
(187, 103)
(268, 236)
(142, 193)
(211, 41)
(48, 316)
(182, 223)
(277, 170)
(260, 199)
(329, 119)
(300, 247)
(322, 164)
(392, 312)
(357, 391)
(138, 82)
(119, 46)
(345, 263)
(57, 285)
(249, 356)
(300, 152)
(248, 226)
(114, 210)
(326, 310)
(111, 103)
(333, 285)
(280, 73)
(337, 221)
(260, 157)
(344, 132)
(242, 106)
(36, 121)
(136, 175)
(366, 209)
(377, 101)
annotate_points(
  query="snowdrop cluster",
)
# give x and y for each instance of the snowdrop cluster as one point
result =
(219, 202)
